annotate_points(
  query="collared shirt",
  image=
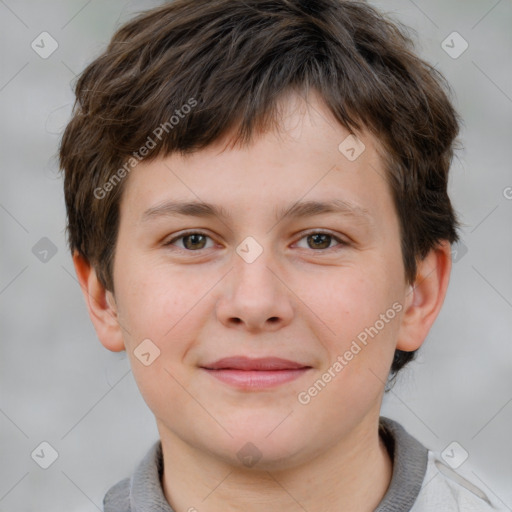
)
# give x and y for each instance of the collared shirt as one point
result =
(420, 482)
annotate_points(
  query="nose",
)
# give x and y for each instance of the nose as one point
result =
(255, 296)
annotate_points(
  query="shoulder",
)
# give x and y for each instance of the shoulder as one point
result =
(117, 498)
(445, 490)
(143, 490)
(423, 482)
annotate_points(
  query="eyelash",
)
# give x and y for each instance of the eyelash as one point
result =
(342, 243)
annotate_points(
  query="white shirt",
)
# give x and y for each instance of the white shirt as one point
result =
(445, 490)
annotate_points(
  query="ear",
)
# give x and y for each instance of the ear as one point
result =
(425, 298)
(100, 304)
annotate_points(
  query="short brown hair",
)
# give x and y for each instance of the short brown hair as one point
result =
(233, 60)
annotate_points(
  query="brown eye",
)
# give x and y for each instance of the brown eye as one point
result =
(319, 240)
(195, 241)
(192, 241)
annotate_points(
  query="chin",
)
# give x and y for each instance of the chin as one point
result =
(266, 447)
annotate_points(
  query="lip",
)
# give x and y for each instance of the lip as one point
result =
(253, 374)
(258, 364)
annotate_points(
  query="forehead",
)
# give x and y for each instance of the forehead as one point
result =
(310, 158)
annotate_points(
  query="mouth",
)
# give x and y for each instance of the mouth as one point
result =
(253, 374)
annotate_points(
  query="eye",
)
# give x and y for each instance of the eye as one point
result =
(321, 240)
(192, 240)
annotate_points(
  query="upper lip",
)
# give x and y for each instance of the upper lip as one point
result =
(247, 363)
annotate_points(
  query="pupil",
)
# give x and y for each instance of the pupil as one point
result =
(325, 244)
(193, 239)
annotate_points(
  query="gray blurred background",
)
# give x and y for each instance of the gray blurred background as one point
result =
(59, 385)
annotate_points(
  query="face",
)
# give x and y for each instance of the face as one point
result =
(320, 289)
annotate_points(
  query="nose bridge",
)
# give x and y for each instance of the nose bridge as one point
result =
(255, 296)
(252, 268)
(253, 280)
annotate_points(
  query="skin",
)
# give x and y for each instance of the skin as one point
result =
(304, 299)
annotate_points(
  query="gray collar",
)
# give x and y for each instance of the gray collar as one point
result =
(143, 492)
(410, 460)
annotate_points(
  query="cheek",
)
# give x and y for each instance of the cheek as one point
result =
(356, 371)
(159, 311)
(349, 302)
(161, 318)
(360, 317)
(156, 303)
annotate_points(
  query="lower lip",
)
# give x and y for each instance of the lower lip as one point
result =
(256, 379)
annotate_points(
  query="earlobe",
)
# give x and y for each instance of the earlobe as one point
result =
(424, 299)
(100, 304)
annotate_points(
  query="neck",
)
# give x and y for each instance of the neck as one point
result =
(351, 475)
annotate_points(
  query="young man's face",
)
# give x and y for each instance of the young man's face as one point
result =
(257, 284)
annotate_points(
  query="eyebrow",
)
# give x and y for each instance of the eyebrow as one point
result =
(296, 210)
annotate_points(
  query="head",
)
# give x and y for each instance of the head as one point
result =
(252, 106)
